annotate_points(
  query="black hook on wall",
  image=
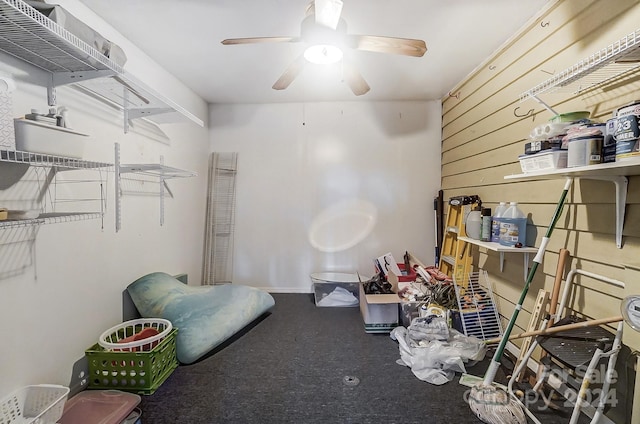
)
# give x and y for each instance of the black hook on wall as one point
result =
(529, 112)
(544, 24)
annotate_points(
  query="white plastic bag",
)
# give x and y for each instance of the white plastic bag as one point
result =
(339, 297)
(437, 361)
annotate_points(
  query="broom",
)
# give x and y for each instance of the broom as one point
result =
(490, 403)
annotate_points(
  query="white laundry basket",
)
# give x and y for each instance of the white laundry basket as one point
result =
(114, 339)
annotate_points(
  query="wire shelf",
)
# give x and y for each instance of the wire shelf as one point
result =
(613, 62)
(156, 170)
(41, 159)
(32, 37)
(50, 218)
(478, 311)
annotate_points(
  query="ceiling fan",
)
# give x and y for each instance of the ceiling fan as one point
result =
(325, 34)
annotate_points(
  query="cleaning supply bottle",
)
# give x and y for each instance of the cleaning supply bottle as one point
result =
(495, 221)
(513, 226)
(485, 232)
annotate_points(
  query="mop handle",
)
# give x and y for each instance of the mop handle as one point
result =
(552, 330)
(495, 362)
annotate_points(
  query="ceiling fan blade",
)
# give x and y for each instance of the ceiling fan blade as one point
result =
(290, 73)
(251, 40)
(328, 12)
(354, 79)
(374, 43)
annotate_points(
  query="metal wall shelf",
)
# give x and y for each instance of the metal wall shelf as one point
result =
(156, 170)
(40, 159)
(615, 172)
(497, 247)
(28, 35)
(157, 173)
(614, 61)
(54, 165)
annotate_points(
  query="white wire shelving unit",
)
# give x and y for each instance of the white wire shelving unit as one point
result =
(46, 195)
(618, 59)
(32, 37)
(146, 179)
(612, 64)
(220, 221)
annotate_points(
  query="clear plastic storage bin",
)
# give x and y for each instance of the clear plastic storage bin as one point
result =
(336, 289)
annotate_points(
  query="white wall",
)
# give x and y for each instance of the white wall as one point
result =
(296, 160)
(58, 306)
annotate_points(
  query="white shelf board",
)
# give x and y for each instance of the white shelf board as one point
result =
(615, 172)
(612, 169)
(497, 247)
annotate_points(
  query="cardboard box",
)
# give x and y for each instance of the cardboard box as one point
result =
(380, 312)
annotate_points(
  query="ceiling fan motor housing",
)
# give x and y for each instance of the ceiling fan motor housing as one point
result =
(313, 33)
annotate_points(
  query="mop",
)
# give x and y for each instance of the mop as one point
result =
(489, 402)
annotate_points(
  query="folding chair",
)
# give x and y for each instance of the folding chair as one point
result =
(576, 354)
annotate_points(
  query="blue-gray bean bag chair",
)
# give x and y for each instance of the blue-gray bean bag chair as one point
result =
(205, 316)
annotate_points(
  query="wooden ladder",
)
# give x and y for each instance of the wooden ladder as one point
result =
(455, 256)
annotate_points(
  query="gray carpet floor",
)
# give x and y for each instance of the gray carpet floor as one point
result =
(290, 367)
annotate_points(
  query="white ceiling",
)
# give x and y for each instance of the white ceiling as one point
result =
(184, 37)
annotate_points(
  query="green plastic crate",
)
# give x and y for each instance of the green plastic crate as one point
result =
(136, 372)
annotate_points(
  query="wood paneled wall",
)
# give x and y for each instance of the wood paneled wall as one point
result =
(485, 127)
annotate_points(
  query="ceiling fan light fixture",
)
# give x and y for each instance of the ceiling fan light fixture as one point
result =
(323, 54)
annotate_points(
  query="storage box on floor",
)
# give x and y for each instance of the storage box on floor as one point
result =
(139, 370)
(336, 288)
(102, 407)
(380, 312)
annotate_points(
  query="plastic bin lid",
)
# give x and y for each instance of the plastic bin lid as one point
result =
(337, 277)
(99, 407)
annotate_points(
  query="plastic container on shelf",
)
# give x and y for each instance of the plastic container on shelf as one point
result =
(485, 231)
(37, 137)
(495, 221)
(544, 160)
(473, 225)
(585, 145)
(513, 226)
